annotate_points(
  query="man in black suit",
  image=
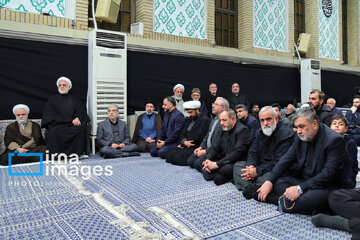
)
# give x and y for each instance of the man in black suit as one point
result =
(232, 146)
(236, 98)
(170, 131)
(315, 165)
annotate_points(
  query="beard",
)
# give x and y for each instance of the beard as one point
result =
(149, 113)
(22, 121)
(226, 129)
(268, 130)
(64, 91)
(178, 97)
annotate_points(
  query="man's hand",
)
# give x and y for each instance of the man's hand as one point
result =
(121, 145)
(21, 150)
(179, 146)
(149, 140)
(292, 193)
(353, 109)
(209, 165)
(264, 190)
(201, 153)
(189, 143)
(76, 122)
(197, 150)
(160, 144)
(249, 173)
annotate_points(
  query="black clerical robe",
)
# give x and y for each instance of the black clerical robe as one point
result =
(62, 136)
(194, 129)
(14, 139)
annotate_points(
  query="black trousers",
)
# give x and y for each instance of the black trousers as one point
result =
(310, 201)
(346, 203)
(221, 175)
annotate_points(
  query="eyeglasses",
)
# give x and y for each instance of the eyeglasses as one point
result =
(215, 104)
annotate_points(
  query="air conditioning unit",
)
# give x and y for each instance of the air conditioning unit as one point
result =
(107, 78)
(310, 77)
(137, 28)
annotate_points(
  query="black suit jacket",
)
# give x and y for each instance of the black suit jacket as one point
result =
(332, 169)
(232, 146)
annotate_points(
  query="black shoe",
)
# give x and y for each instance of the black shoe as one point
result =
(250, 192)
(219, 180)
(272, 198)
(130, 154)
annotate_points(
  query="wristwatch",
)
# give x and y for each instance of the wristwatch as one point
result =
(300, 191)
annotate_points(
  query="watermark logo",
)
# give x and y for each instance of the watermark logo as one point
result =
(60, 164)
(11, 155)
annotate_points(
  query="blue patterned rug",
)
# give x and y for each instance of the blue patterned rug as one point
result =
(145, 198)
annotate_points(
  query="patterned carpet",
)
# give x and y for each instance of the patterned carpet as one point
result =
(145, 198)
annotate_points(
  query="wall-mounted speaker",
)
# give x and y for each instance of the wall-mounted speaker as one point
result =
(107, 10)
(304, 42)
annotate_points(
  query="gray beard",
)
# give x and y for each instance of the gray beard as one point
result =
(268, 130)
(63, 91)
(22, 121)
(149, 113)
(177, 98)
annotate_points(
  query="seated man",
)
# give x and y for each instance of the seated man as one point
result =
(252, 123)
(147, 128)
(345, 203)
(315, 165)
(331, 103)
(232, 146)
(196, 95)
(215, 129)
(316, 101)
(179, 90)
(22, 136)
(65, 120)
(170, 130)
(284, 120)
(255, 111)
(290, 112)
(353, 116)
(193, 132)
(272, 142)
(113, 136)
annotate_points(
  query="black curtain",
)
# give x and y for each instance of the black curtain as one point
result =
(29, 70)
(340, 86)
(154, 75)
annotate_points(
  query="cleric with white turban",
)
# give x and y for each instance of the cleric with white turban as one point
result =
(178, 93)
(65, 120)
(194, 130)
(22, 136)
(192, 105)
(21, 106)
(64, 79)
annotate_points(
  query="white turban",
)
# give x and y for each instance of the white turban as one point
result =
(21, 106)
(179, 86)
(305, 105)
(65, 79)
(192, 105)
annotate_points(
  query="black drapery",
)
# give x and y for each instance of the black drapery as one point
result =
(154, 75)
(29, 70)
